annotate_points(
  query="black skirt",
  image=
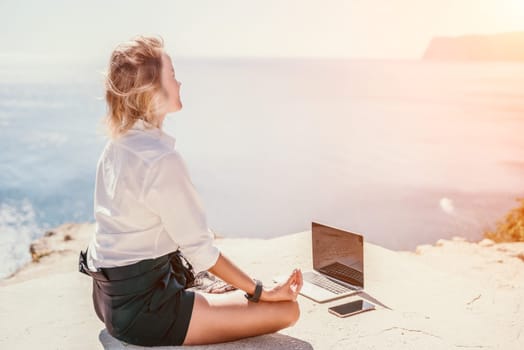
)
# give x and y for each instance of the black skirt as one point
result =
(143, 303)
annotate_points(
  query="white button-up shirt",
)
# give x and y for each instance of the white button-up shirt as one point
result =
(145, 204)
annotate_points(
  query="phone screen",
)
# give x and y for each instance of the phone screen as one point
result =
(351, 308)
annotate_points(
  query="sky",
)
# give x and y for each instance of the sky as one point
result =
(383, 29)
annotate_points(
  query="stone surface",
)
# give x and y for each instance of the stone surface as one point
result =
(458, 295)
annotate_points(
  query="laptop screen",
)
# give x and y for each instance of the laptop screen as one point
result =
(338, 253)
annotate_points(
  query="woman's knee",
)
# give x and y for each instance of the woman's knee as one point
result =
(292, 313)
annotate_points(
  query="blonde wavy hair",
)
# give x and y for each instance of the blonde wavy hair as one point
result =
(133, 88)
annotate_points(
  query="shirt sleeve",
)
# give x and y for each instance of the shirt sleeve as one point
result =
(169, 192)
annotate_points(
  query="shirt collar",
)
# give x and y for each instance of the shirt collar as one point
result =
(150, 129)
(141, 124)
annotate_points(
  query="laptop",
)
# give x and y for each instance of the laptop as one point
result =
(338, 264)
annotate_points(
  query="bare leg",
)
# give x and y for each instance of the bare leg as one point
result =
(225, 317)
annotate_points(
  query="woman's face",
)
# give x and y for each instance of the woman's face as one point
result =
(171, 85)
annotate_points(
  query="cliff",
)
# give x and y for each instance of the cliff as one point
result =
(453, 294)
(497, 47)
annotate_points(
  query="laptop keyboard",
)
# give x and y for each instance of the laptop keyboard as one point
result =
(326, 283)
(342, 271)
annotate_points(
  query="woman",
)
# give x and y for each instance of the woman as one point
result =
(148, 214)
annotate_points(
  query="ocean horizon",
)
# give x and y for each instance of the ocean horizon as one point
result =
(403, 151)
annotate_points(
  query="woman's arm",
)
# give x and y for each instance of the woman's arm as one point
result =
(169, 192)
(226, 270)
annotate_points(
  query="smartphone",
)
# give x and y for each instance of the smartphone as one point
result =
(351, 308)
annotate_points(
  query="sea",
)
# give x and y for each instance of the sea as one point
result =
(404, 152)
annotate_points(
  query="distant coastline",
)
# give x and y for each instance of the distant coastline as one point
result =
(495, 47)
